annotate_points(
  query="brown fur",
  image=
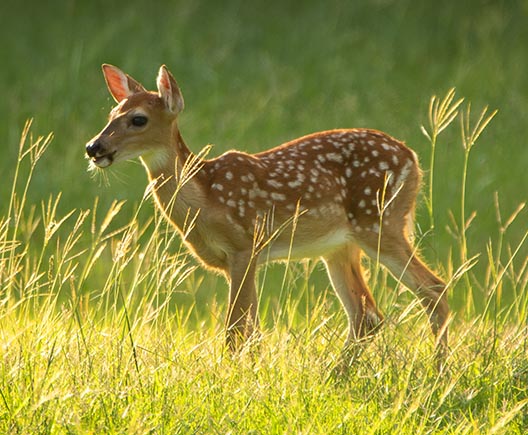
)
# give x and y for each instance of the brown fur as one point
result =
(331, 195)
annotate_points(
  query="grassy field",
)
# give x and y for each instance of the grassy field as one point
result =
(106, 325)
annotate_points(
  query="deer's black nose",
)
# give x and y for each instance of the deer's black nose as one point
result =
(93, 148)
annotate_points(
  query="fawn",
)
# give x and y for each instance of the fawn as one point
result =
(332, 194)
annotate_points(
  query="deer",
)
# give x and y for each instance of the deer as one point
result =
(333, 195)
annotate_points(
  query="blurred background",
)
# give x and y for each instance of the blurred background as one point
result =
(256, 74)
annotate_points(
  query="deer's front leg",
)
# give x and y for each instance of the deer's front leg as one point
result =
(243, 301)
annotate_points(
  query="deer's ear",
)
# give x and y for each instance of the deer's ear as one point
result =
(169, 91)
(119, 84)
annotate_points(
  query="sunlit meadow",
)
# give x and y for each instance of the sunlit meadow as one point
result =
(107, 325)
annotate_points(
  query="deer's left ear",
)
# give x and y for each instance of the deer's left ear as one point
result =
(119, 84)
(169, 91)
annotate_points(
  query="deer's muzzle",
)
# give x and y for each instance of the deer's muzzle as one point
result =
(98, 154)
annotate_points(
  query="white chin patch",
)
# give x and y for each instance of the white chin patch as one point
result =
(102, 162)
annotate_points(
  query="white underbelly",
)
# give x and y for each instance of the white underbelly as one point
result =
(283, 249)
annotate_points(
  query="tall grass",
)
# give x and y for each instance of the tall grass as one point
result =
(102, 331)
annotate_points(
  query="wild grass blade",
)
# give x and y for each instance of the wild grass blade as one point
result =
(441, 114)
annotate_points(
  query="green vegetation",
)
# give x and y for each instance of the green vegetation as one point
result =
(106, 325)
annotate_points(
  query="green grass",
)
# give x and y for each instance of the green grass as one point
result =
(105, 324)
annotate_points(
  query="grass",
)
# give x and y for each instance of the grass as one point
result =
(106, 326)
(125, 354)
(73, 379)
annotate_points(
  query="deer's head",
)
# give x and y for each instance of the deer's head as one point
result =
(142, 121)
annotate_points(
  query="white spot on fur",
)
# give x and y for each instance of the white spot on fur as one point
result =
(404, 173)
(335, 157)
(275, 184)
(241, 208)
(278, 196)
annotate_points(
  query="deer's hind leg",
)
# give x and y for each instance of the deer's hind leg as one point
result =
(396, 253)
(344, 270)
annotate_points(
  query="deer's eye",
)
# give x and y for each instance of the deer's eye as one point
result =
(139, 121)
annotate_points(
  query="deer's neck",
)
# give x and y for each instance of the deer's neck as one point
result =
(180, 198)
